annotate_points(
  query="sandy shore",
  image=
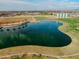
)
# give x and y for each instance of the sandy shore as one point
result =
(71, 49)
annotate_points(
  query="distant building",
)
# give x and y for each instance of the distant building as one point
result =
(57, 13)
(62, 14)
(65, 14)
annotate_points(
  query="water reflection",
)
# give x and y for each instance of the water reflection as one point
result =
(44, 33)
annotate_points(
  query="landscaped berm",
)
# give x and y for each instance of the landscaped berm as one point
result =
(39, 37)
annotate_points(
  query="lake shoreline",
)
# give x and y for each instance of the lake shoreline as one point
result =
(56, 51)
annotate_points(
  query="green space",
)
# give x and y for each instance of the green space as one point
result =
(73, 24)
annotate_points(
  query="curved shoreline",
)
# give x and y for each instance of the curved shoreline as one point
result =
(66, 46)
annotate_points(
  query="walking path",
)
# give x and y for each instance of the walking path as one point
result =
(46, 55)
(49, 55)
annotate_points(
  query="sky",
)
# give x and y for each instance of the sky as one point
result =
(26, 5)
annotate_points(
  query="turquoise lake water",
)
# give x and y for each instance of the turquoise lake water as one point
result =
(43, 33)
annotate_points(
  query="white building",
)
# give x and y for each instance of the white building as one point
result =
(62, 14)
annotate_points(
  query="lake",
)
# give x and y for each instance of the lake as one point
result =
(47, 33)
(43, 33)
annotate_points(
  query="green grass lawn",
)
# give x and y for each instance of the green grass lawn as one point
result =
(72, 22)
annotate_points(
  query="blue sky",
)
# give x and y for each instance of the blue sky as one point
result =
(38, 4)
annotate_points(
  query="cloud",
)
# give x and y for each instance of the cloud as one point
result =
(15, 5)
(37, 4)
